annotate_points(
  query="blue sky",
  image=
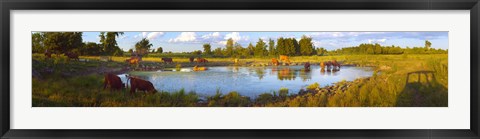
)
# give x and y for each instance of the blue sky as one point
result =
(189, 41)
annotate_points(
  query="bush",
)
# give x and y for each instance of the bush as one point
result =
(313, 86)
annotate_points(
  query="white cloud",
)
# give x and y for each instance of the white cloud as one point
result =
(185, 37)
(211, 35)
(316, 43)
(236, 37)
(144, 34)
(376, 40)
(222, 42)
(153, 35)
(341, 34)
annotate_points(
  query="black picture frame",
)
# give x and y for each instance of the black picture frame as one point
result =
(7, 5)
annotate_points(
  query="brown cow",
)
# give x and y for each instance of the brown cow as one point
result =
(73, 56)
(307, 66)
(113, 81)
(284, 59)
(335, 65)
(133, 60)
(48, 54)
(140, 84)
(191, 59)
(329, 65)
(275, 61)
(201, 60)
(167, 60)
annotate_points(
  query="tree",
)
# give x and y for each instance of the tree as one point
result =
(237, 49)
(260, 48)
(378, 49)
(321, 51)
(91, 49)
(281, 49)
(37, 43)
(109, 42)
(131, 50)
(306, 46)
(296, 47)
(207, 48)
(428, 44)
(229, 47)
(197, 52)
(290, 46)
(250, 49)
(143, 46)
(160, 50)
(62, 42)
(218, 52)
(271, 48)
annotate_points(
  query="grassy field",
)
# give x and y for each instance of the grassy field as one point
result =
(59, 82)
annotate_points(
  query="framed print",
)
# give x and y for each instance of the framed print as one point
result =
(239, 69)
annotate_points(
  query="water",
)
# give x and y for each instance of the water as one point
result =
(248, 81)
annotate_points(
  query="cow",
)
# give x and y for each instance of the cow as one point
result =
(235, 61)
(201, 60)
(140, 84)
(191, 59)
(113, 81)
(133, 60)
(285, 59)
(335, 65)
(48, 54)
(328, 65)
(196, 68)
(73, 56)
(274, 62)
(167, 60)
(307, 66)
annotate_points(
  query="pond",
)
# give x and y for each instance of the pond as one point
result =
(248, 81)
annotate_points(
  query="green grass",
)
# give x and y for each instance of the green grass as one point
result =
(387, 88)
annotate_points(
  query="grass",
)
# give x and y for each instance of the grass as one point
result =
(387, 88)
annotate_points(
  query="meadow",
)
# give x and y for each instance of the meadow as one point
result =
(59, 82)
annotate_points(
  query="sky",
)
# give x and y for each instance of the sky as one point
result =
(190, 41)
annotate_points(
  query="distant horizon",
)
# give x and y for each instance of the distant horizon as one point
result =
(191, 41)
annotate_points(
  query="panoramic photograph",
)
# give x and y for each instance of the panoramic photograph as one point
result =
(240, 69)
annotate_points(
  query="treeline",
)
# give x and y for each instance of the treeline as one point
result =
(63, 42)
(283, 46)
(366, 48)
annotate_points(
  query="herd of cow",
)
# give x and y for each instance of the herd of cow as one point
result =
(115, 83)
(325, 66)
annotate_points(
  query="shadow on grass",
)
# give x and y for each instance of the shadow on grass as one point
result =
(423, 90)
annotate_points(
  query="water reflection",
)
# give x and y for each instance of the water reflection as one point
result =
(249, 81)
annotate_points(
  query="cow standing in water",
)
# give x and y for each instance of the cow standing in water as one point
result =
(335, 65)
(325, 66)
(307, 66)
(140, 84)
(113, 81)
